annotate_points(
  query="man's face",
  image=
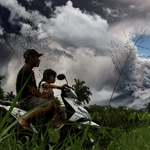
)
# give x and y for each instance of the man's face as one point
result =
(35, 61)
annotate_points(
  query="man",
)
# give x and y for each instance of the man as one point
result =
(30, 96)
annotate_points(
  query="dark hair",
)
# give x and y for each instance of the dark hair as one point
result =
(30, 53)
(46, 75)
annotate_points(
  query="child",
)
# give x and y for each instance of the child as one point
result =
(46, 88)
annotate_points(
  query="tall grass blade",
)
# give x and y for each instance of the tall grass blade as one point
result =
(13, 105)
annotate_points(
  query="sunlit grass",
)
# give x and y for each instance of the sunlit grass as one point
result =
(13, 141)
(137, 139)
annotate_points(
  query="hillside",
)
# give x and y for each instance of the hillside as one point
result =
(125, 99)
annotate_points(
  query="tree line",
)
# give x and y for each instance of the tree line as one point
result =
(9, 96)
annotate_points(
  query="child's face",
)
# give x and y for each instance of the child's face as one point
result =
(52, 79)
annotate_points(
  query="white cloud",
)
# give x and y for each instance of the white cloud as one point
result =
(15, 9)
(96, 3)
(148, 15)
(1, 30)
(114, 13)
(131, 7)
(48, 4)
(73, 28)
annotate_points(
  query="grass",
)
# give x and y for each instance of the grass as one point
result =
(18, 139)
(121, 129)
(11, 141)
(136, 139)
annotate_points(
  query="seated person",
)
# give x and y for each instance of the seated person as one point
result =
(46, 88)
(30, 97)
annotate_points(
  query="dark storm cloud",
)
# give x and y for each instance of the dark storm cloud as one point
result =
(37, 5)
(118, 10)
(112, 11)
(5, 54)
(4, 21)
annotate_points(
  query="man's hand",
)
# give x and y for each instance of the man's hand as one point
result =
(35, 92)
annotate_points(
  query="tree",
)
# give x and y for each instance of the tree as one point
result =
(9, 96)
(1, 90)
(83, 92)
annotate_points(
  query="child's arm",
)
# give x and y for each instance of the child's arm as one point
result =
(46, 85)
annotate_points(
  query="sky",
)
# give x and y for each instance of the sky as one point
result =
(87, 40)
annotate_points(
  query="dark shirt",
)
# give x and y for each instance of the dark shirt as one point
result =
(23, 75)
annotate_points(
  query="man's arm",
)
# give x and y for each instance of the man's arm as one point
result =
(35, 92)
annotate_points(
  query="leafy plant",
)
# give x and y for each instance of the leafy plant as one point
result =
(9, 96)
(83, 92)
(116, 121)
(136, 139)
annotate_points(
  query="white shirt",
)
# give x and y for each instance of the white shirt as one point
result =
(46, 91)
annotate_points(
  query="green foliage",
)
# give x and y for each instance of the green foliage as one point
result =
(120, 117)
(116, 121)
(147, 108)
(83, 92)
(117, 127)
(136, 139)
(9, 96)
